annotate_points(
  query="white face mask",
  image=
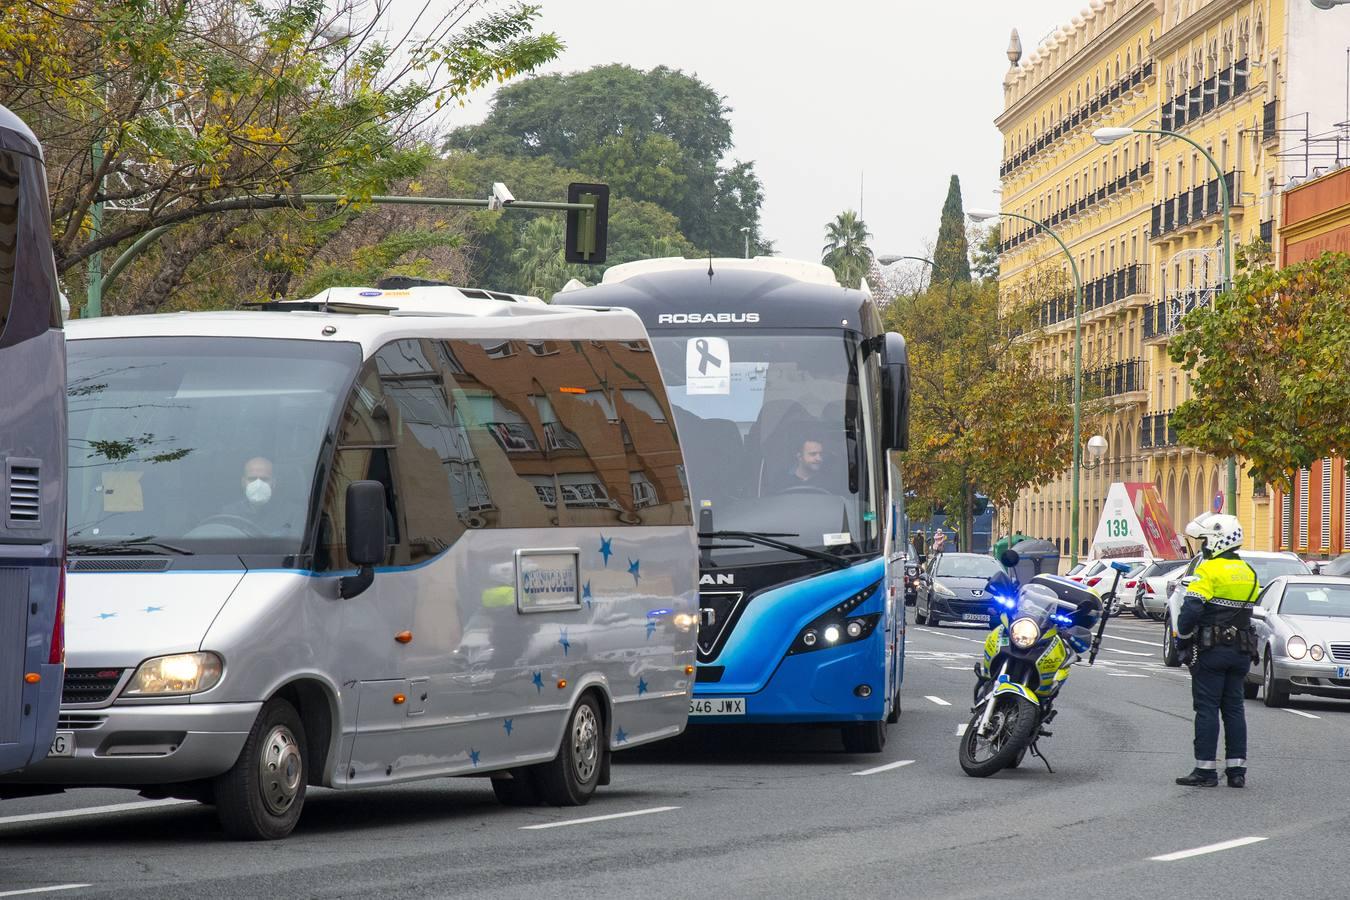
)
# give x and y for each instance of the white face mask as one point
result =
(258, 492)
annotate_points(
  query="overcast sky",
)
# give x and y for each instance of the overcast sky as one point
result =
(899, 91)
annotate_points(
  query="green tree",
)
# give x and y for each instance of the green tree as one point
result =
(539, 258)
(846, 250)
(203, 109)
(1268, 361)
(984, 258)
(602, 122)
(983, 418)
(951, 257)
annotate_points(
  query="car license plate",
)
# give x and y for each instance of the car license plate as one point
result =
(975, 617)
(1341, 671)
(718, 706)
(63, 744)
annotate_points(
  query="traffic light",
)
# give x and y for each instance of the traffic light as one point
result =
(587, 230)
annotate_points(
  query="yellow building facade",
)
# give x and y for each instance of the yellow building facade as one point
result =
(1141, 217)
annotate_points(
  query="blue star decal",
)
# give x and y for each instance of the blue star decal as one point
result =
(633, 565)
(586, 594)
(538, 681)
(562, 639)
(605, 550)
(153, 609)
(651, 629)
(106, 616)
(508, 726)
(473, 757)
(642, 686)
(620, 737)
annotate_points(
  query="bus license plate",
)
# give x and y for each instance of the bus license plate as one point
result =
(720, 706)
(63, 744)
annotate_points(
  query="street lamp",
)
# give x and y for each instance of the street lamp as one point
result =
(745, 230)
(1106, 136)
(1096, 451)
(982, 215)
(890, 260)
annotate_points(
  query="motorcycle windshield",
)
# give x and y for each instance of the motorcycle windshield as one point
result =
(1039, 604)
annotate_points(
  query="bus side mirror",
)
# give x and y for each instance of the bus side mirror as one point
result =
(895, 392)
(366, 537)
(587, 229)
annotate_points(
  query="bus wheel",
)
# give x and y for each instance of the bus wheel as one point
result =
(260, 797)
(570, 779)
(864, 737)
(518, 790)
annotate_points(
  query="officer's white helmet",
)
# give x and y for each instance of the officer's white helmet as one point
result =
(1218, 533)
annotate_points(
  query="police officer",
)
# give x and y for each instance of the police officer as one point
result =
(1217, 642)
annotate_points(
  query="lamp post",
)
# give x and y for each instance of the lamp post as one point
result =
(889, 261)
(745, 230)
(981, 215)
(1105, 136)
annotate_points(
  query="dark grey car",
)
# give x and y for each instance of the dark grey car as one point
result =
(954, 587)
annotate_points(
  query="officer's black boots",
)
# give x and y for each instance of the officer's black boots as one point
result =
(1236, 777)
(1200, 778)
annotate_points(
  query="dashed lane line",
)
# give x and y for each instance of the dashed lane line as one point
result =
(961, 729)
(950, 635)
(92, 811)
(886, 768)
(1116, 637)
(1128, 652)
(938, 700)
(1126, 675)
(43, 890)
(1208, 848)
(1299, 712)
(589, 819)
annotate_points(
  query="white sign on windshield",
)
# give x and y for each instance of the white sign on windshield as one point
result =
(707, 366)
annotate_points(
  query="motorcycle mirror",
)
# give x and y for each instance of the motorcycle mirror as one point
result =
(1009, 558)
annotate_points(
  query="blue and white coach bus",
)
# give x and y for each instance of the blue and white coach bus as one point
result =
(32, 455)
(788, 397)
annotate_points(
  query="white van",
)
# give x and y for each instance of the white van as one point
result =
(368, 538)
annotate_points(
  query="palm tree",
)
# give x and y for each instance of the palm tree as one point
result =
(846, 249)
(538, 257)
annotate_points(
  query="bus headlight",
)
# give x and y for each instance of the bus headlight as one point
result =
(1025, 633)
(182, 673)
(839, 625)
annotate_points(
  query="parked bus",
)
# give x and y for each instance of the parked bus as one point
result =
(32, 455)
(368, 538)
(788, 397)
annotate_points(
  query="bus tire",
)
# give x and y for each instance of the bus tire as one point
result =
(261, 796)
(864, 737)
(571, 777)
(518, 790)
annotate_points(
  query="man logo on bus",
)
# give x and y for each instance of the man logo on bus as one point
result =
(719, 578)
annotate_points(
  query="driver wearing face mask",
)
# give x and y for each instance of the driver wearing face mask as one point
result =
(257, 504)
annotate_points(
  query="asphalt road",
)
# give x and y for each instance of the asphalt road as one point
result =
(783, 813)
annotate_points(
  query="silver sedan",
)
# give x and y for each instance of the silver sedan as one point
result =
(1303, 631)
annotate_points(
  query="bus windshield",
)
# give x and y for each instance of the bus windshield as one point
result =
(773, 436)
(198, 444)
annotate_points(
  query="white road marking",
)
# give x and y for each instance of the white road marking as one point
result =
(1209, 848)
(1128, 652)
(1126, 675)
(43, 890)
(938, 700)
(961, 729)
(885, 768)
(958, 668)
(590, 819)
(1299, 712)
(950, 635)
(91, 811)
(1116, 637)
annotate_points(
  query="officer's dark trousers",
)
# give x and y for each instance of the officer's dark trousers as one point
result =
(1216, 687)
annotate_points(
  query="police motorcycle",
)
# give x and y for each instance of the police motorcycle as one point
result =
(1043, 629)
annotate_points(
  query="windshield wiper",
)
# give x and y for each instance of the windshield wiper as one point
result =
(137, 546)
(770, 539)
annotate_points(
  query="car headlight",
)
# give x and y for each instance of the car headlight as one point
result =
(182, 673)
(1297, 647)
(940, 588)
(1316, 652)
(1025, 633)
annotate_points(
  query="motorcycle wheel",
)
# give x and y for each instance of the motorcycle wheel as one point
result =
(1012, 726)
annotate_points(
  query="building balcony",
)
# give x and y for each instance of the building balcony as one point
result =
(1227, 85)
(1128, 283)
(1175, 216)
(1156, 432)
(1270, 122)
(1163, 319)
(1121, 382)
(1083, 204)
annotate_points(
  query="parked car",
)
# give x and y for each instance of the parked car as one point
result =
(911, 579)
(1303, 631)
(1268, 567)
(1150, 595)
(1339, 566)
(955, 587)
(1098, 576)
